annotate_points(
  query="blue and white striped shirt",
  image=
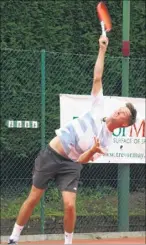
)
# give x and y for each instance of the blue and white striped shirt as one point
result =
(78, 135)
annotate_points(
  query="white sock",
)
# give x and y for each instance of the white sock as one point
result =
(16, 232)
(68, 237)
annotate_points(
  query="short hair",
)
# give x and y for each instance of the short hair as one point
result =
(133, 112)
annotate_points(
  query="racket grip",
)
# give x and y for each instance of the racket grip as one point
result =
(103, 29)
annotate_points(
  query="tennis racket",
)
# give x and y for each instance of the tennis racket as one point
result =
(104, 18)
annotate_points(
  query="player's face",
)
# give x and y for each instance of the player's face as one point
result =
(121, 116)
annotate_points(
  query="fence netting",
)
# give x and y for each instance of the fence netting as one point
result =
(97, 201)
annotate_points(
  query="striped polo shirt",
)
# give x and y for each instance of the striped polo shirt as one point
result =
(78, 135)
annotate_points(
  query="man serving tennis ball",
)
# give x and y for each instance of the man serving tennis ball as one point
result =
(77, 142)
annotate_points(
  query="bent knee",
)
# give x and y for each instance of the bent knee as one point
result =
(33, 199)
(69, 206)
(34, 196)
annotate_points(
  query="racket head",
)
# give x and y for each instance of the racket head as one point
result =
(104, 16)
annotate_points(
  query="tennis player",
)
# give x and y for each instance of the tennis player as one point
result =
(78, 142)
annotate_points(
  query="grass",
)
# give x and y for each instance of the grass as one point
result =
(90, 202)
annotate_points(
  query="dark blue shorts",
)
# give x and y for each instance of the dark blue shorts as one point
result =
(50, 165)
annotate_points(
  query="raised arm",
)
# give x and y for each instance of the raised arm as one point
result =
(88, 155)
(99, 66)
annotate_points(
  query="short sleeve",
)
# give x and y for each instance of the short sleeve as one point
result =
(98, 99)
(97, 105)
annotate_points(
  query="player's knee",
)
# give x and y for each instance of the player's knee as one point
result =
(69, 206)
(32, 201)
(34, 197)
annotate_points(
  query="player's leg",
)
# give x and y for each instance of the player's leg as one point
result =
(69, 201)
(44, 170)
(25, 213)
(28, 206)
(67, 182)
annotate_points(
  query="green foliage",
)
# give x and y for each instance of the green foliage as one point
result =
(68, 26)
(20, 98)
(102, 201)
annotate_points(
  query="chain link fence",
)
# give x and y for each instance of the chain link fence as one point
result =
(97, 202)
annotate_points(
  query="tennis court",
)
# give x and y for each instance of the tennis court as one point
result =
(135, 240)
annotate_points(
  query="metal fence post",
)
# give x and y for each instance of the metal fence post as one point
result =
(124, 169)
(43, 54)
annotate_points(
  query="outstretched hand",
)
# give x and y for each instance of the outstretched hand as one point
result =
(88, 155)
(96, 148)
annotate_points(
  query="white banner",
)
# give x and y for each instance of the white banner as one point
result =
(128, 144)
